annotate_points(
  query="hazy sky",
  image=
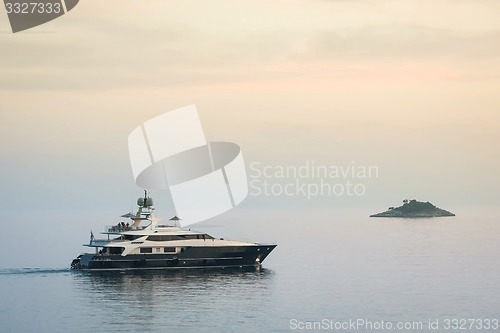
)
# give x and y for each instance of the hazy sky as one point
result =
(409, 86)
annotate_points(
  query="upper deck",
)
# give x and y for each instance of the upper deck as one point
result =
(149, 230)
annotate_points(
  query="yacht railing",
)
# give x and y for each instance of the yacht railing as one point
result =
(115, 228)
(105, 240)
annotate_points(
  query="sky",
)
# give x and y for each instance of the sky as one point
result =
(410, 87)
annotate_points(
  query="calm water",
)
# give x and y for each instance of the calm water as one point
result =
(326, 266)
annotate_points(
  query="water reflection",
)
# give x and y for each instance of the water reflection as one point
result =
(177, 299)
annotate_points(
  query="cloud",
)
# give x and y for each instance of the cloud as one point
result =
(406, 41)
(188, 44)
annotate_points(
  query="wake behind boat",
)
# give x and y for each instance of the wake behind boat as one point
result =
(144, 244)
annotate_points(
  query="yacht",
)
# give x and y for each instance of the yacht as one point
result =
(145, 244)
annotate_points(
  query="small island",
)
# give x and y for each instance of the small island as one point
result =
(414, 209)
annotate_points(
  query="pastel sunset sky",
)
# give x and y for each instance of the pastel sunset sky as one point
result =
(409, 86)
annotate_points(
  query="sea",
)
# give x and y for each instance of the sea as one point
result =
(331, 272)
